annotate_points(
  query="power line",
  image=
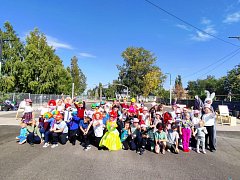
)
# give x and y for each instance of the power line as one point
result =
(189, 24)
(214, 63)
(236, 53)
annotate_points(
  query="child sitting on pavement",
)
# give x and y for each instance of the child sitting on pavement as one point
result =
(22, 138)
(160, 139)
(125, 135)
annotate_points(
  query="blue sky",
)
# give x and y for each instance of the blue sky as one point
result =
(97, 32)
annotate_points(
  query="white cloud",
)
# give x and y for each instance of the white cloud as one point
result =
(87, 55)
(206, 21)
(56, 44)
(232, 18)
(184, 27)
(201, 36)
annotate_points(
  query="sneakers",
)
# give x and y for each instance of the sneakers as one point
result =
(87, 148)
(54, 145)
(163, 151)
(141, 151)
(22, 142)
(186, 150)
(204, 152)
(198, 151)
(45, 145)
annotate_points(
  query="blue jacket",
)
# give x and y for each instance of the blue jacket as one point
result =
(23, 132)
(74, 123)
(51, 121)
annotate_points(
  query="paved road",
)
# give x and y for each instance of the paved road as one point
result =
(71, 162)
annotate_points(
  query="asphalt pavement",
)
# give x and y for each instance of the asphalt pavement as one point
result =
(71, 162)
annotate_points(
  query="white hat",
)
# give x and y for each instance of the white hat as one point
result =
(158, 113)
(136, 120)
(145, 109)
(206, 105)
(154, 104)
(144, 125)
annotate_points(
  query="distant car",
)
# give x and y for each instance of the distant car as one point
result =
(8, 106)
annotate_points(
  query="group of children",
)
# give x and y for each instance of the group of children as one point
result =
(116, 126)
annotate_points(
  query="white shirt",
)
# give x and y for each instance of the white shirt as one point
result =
(98, 130)
(28, 109)
(195, 121)
(61, 125)
(44, 110)
(209, 119)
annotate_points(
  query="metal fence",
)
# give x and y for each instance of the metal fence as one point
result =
(37, 99)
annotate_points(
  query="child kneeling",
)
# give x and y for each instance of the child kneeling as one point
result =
(160, 139)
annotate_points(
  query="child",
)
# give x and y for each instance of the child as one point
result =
(150, 139)
(28, 112)
(73, 125)
(200, 133)
(173, 137)
(146, 116)
(85, 126)
(135, 133)
(157, 120)
(22, 138)
(34, 136)
(160, 139)
(59, 131)
(81, 106)
(126, 132)
(195, 121)
(49, 119)
(143, 138)
(185, 130)
(98, 127)
(111, 138)
(43, 126)
(105, 117)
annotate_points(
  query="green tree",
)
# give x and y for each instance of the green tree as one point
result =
(178, 88)
(43, 70)
(232, 82)
(138, 63)
(79, 79)
(12, 57)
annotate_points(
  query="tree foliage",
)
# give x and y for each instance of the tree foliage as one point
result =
(33, 67)
(79, 79)
(223, 86)
(12, 57)
(139, 65)
(178, 88)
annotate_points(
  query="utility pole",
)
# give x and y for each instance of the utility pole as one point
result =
(170, 89)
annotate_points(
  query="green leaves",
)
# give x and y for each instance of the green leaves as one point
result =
(79, 79)
(32, 67)
(139, 72)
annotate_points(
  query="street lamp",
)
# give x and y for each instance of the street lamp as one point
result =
(170, 90)
(123, 86)
(101, 91)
